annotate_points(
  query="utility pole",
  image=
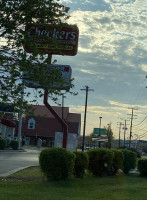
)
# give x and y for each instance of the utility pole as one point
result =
(125, 128)
(120, 124)
(87, 89)
(99, 132)
(132, 115)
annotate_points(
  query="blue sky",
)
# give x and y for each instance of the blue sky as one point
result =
(111, 60)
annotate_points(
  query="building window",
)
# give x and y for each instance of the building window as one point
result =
(31, 123)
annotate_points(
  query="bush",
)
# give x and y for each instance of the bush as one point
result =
(14, 144)
(117, 162)
(134, 150)
(142, 166)
(81, 164)
(129, 160)
(2, 143)
(56, 163)
(100, 161)
(144, 149)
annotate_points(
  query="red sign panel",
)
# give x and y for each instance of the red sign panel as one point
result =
(48, 39)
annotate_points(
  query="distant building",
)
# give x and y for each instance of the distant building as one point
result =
(42, 124)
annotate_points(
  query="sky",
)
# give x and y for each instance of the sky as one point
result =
(111, 60)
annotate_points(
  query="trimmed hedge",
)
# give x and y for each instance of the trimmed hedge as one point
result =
(56, 163)
(132, 149)
(117, 162)
(2, 143)
(129, 160)
(14, 144)
(142, 166)
(81, 164)
(100, 161)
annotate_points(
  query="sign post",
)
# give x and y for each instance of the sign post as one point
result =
(54, 113)
(61, 39)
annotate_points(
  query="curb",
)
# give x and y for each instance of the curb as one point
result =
(12, 151)
(15, 170)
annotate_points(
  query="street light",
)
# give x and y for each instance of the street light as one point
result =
(99, 131)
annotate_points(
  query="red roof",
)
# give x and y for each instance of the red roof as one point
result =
(47, 124)
(42, 111)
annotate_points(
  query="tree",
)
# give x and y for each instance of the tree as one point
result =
(14, 61)
(109, 133)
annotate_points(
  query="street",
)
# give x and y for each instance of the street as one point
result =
(12, 161)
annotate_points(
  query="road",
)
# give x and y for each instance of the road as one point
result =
(12, 161)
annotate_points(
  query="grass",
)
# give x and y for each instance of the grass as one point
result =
(29, 185)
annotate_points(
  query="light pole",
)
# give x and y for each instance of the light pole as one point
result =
(100, 131)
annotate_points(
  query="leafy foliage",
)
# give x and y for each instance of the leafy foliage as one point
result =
(81, 164)
(56, 163)
(100, 161)
(2, 143)
(129, 160)
(14, 61)
(109, 134)
(14, 144)
(117, 162)
(132, 149)
(142, 166)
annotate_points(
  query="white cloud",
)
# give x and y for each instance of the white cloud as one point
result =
(87, 71)
(119, 32)
(144, 67)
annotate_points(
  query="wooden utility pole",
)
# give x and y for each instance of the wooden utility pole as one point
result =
(87, 89)
(132, 115)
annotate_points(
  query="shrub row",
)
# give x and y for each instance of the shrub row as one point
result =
(13, 144)
(142, 166)
(2, 143)
(57, 163)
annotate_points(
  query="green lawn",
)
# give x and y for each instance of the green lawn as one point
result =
(29, 185)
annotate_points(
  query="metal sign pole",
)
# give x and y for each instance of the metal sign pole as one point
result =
(64, 125)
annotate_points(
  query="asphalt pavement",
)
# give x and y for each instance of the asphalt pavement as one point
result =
(12, 161)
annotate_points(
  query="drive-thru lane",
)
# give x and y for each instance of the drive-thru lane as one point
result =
(12, 161)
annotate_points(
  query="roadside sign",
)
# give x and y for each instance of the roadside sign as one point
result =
(59, 39)
(99, 131)
(65, 74)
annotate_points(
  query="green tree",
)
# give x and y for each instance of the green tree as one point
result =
(109, 133)
(14, 61)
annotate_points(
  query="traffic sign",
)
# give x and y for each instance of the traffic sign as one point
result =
(99, 131)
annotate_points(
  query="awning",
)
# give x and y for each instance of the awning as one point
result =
(8, 123)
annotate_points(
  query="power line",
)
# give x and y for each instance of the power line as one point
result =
(141, 121)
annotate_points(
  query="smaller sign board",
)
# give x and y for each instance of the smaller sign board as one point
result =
(99, 131)
(65, 74)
